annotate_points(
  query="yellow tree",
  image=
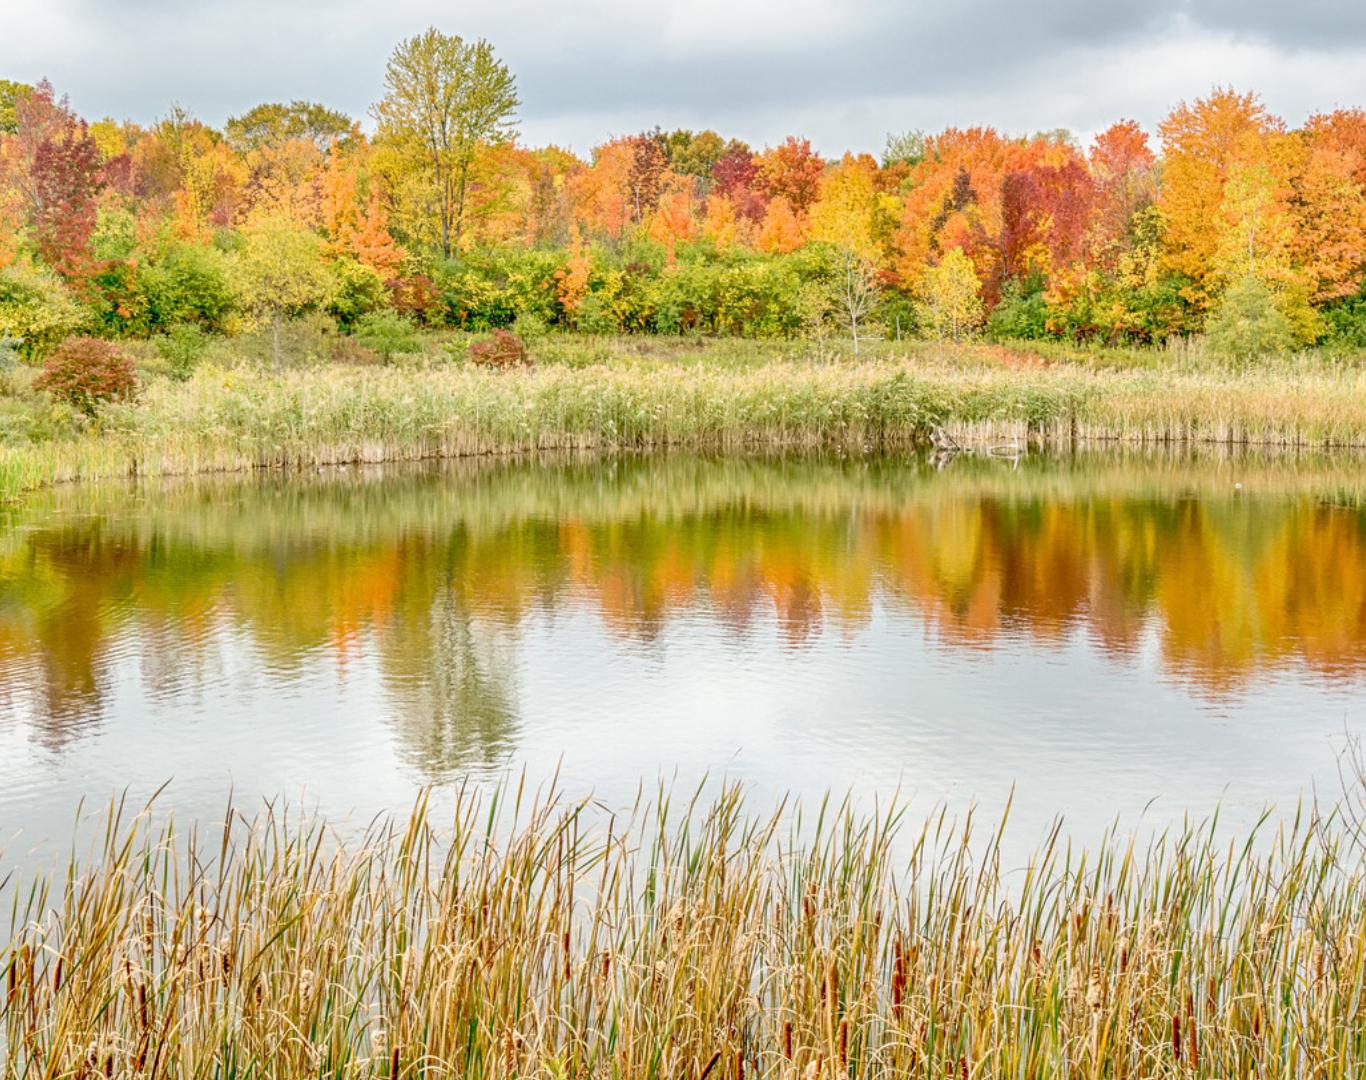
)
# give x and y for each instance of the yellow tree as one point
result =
(445, 99)
(280, 272)
(951, 296)
(1203, 144)
(843, 214)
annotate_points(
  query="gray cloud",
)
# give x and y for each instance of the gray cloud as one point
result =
(843, 71)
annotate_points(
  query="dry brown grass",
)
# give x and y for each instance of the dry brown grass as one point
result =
(507, 937)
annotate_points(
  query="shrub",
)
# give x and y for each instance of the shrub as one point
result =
(187, 283)
(359, 291)
(87, 372)
(36, 309)
(181, 347)
(1248, 324)
(416, 296)
(500, 350)
(1021, 314)
(387, 333)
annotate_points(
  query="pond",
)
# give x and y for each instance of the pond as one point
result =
(1111, 635)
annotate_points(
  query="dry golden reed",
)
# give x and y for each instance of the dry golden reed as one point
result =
(503, 935)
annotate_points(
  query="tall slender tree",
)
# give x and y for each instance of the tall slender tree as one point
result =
(446, 98)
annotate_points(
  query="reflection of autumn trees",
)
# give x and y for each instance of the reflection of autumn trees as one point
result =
(431, 578)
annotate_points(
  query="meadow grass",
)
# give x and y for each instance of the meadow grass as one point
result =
(503, 935)
(249, 417)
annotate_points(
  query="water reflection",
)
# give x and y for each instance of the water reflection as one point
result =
(429, 573)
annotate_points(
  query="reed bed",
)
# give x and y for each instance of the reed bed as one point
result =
(242, 419)
(508, 936)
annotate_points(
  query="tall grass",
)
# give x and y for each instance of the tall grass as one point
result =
(242, 419)
(512, 937)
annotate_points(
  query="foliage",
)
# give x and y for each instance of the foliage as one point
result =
(444, 100)
(500, 349)
(387, 332)
(187, 284)
(273, 123)
(951, 296)
(36, 308)
(10, 94)
(87, 372)
(182, 347)
(1248, 324)
(280, 272)
(359, 290)
(1022, 312)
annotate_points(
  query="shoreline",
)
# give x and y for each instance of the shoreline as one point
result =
(238, 421)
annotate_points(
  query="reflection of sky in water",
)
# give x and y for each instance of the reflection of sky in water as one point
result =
(882, 702)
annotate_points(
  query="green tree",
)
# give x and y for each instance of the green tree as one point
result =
(10, 94)
(1248, 323)
(280, 272)
(446, 99)
(388, 333)
(37, 310)
(272, 123)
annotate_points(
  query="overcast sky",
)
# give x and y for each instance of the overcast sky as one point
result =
(844, 72)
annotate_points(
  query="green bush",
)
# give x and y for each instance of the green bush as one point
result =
(359, 291)
(388, 333)
(1247, 324)
(36, 309)
(182, 347)
(187, 283)
(1022, 312)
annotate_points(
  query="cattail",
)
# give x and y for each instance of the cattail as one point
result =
(57, 976)
(787, 1039)
(739, 1073)
(899, 976)
(844, 1043)
(710, 1065)
(1095, 991)
(1176, 1037)
(393, 1064)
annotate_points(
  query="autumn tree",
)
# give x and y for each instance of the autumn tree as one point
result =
(1045, 214)
(445, 98)
(50, 175)
(1122, 168)
(280, 273)
(845, 211)
(273, 123)
(646, 175)
(951, 296)
(792, 170)
(1203, 144)
(10, 94)
(694, 153)
(735, 176)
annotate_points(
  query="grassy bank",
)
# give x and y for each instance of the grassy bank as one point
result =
(684, 941)
(248, 416)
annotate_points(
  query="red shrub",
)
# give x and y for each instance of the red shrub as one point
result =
(500, 349)
(86, 372)
(417, 297)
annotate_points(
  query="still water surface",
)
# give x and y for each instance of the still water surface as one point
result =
(1128, 637)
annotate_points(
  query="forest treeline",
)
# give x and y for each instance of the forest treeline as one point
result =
(1229, 221)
